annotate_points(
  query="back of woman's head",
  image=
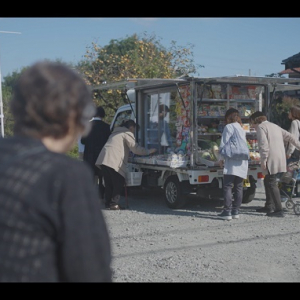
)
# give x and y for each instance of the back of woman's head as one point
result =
(295, 112)
(48, 99)
(232, 115)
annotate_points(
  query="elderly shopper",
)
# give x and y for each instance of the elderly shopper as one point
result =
(271, 143)
(113, 160)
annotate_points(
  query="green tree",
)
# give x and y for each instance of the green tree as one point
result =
(277, 75)
(7, 86)
(132, 57)
(280, 108)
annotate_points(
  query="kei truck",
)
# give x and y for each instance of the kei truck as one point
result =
(184, 118)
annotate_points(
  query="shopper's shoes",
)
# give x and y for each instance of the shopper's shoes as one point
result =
(264, 210)
(225, 215)
(235, 214)
(278, 214)
(116, 207)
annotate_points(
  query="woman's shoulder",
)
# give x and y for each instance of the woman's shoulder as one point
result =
(230, 126)
(65, 162)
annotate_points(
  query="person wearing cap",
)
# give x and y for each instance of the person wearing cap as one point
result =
(113, 160)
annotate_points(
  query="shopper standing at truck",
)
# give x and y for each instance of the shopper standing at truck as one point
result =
(113, 160)
(234, 170)
(271, 140)
(93, 144)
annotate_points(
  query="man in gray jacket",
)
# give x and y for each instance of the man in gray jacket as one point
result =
(271, 139)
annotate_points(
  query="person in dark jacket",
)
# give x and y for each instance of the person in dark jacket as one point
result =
(93, 144)
(52, 228)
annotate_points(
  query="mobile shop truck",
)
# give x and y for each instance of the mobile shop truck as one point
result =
(195, 109)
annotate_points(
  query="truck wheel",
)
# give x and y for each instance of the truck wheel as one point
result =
(249, 194)
(174, 193)
(297, 208)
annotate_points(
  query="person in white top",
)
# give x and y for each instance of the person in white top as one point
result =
(234, 170)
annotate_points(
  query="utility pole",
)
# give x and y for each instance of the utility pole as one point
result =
(1, 101)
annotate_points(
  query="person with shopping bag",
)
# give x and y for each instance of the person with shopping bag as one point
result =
(235, 167)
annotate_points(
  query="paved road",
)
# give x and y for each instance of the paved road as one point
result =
(260, 190)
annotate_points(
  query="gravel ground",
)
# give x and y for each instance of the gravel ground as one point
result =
(152, 243)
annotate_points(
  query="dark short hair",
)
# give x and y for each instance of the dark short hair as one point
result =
(48, 99)
(129, 123)
(257, 117)
(232, 115)
(100, 112)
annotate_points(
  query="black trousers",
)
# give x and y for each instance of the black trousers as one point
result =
(273, 198)
(98, 177)
(114, 183)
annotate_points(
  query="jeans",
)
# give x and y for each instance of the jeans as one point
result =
(232, 185)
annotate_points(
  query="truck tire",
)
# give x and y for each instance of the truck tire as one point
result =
(249, 194)
(175, 195)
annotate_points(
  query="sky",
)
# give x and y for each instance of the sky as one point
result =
(224, 46)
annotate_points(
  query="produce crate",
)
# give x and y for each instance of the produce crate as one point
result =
(134, 178)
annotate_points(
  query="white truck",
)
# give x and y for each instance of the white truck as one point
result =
(194, 111)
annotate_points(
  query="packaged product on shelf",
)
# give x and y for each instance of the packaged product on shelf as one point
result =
(245, 110)
(222, 110)
(246, 127)
(203, 110)
(214, 111)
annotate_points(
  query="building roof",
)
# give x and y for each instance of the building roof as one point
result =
(292, 62)
(289, 71)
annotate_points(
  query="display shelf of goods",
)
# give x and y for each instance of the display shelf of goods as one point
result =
(243, 92)
(246, 127)
(140, 160)
(254, 157)
(163, 162)
(212, 110)
(214, 91)
(178, 161)
(150, 160)
(245, 110)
